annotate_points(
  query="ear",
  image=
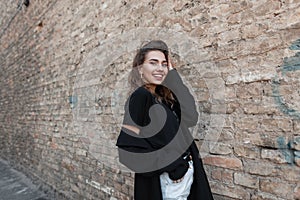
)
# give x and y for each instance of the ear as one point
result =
(140, 69)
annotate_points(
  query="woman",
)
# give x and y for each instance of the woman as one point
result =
(155, 141)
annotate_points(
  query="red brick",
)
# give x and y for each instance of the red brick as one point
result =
(297, 161)
(222, 161)
(222, 175)
(246, 180)
(231, 191)
(277, 187)
(248, 151)
(277, 156)
(297, 193)
(277, 124)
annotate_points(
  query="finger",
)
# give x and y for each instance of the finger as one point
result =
(169, 61)
(178, 181)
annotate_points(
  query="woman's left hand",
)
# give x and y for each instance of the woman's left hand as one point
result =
(170, 64)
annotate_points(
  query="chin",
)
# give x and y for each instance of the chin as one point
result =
(157, 82)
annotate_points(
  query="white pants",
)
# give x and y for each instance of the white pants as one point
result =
(177, 191)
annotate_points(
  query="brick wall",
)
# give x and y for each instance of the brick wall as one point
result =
(64, 66)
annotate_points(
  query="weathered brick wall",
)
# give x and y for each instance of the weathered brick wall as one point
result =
(64, 66)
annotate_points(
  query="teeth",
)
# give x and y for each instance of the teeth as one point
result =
(159, 76)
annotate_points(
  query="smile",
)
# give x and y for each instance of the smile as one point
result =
(158, 75)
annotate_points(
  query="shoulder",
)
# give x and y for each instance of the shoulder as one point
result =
(141, 93)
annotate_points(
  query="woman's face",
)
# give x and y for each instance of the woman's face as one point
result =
(155, 67)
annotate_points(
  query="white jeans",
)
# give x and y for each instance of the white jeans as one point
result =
(177, 191)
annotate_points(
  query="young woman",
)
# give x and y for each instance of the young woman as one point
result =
(155, 141)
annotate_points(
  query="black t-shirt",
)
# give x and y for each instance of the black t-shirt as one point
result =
(158, 121)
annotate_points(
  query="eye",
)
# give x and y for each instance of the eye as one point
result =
(153, 63)
(165, 65)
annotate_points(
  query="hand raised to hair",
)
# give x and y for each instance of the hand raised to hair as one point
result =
(179, 180)
(170, 63)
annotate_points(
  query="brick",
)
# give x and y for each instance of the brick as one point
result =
(258, 139)
(296, 143)
(251, 90)
(234, 192)
(221, 10)
(221, 161)
(222, 175)
(246, 180)
(297, 192)
(277, 124)
(297, 161)
(247, 151)
(265, 196)
(264, 106)
(247, 123)
(232, 107)
(226, 134)
(249, 77)
(229, 36)
(296, 126)
(290, 173)
(277, 156)
(230, 92)
(252, 30)
(261, 9)
(260, 168)
(220, 148)
(178, 6)
(274, 186)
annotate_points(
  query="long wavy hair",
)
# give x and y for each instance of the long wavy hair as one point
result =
(159, 91)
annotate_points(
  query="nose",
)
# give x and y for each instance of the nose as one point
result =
(160, 67)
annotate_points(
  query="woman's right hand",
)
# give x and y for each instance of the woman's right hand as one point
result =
(179, 171)
(179, 180)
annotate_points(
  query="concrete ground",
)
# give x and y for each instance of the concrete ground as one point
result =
(16, 186)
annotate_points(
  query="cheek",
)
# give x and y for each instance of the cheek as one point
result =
(145, 70)
(166, 71)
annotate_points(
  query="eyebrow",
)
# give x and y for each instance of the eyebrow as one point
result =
(154, 59)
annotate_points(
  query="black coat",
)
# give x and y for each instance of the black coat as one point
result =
(164, 137)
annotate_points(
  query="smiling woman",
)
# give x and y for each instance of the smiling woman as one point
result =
(156, 143)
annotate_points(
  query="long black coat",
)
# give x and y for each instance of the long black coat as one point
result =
(167, 145)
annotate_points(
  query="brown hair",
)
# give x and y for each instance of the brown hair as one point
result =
(161, 92)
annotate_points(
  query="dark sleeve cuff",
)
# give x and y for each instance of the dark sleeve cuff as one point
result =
(179, 171)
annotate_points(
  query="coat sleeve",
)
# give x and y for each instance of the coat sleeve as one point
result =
(189, 114)
(136, 114)
(137, 107)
